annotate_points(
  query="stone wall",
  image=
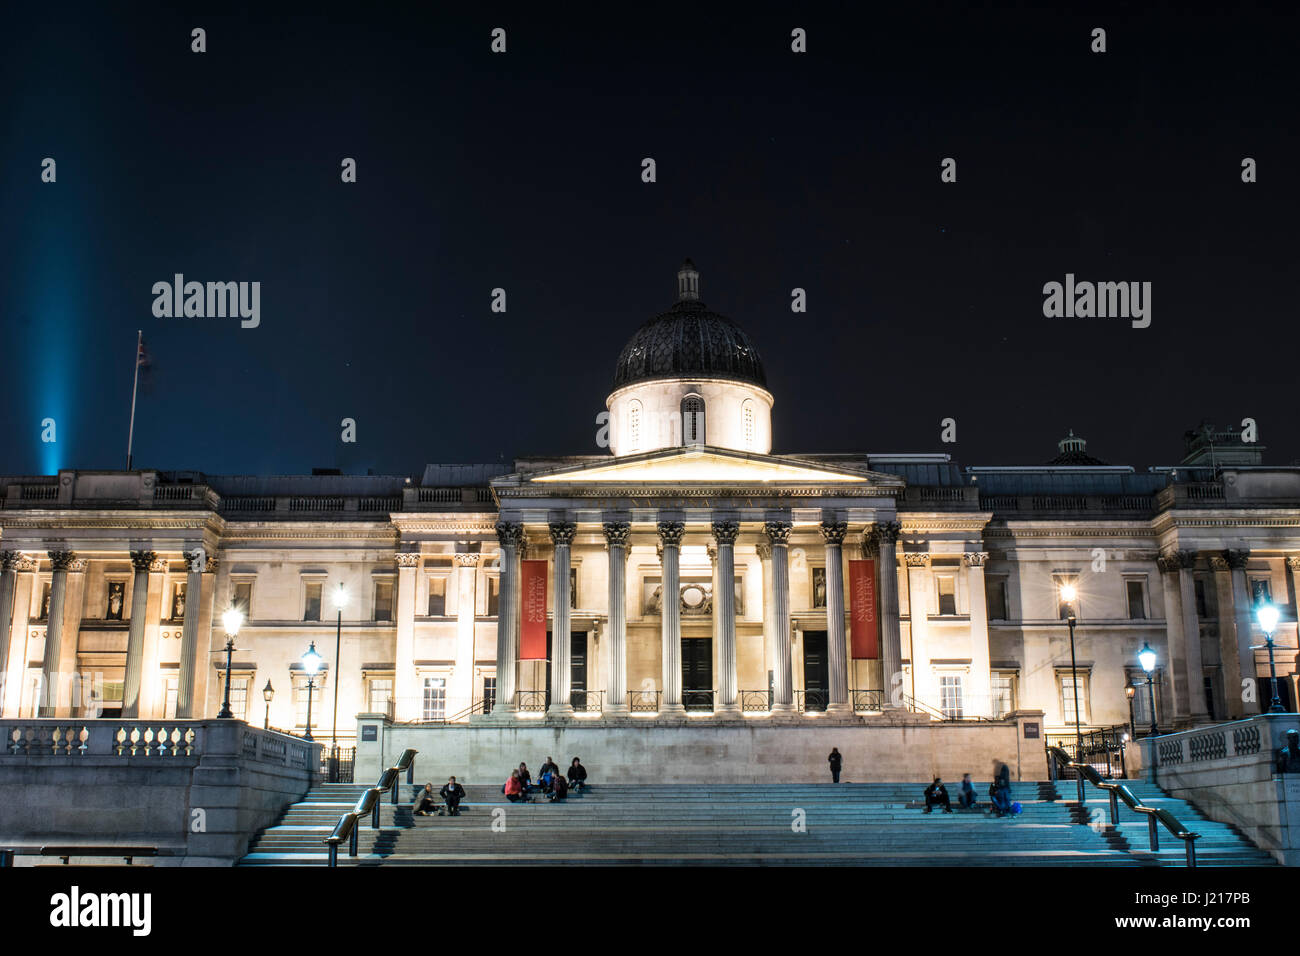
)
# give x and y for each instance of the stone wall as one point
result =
(197, 789)
(878, 749)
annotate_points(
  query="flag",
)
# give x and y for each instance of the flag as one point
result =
(143, 363)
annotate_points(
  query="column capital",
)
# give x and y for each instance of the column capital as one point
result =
(25, 562)
(975, 559)
(917, 559)
(508, 534)
(159, 564)
(467, 560)
(888, 532)
(210, 564)
(834, 531)
(1293, 562)
(870, 543)
(616, 532)
(562, 532)
(141, 560)
(62, 560)
(78, 565)
(1167, 561)
(407, 559)
(1236, 558)
(778, 532)
(764, 551)
(9, 561)
(725, 532)
(671, 533)
(195, 560)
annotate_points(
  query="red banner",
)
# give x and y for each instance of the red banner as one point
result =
(863, 620)
(532, 611)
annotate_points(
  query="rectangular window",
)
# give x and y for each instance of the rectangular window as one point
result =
(1003, 697)
(1063, 607)
(950, 698)
(241, 597)
(239, 697)
(437, 596)
(1137, 608)
(573, 588)
(1201, 608)
(946, 585)
(171, 688)
(489, 694)
(435, 698)
(311, 610)
(995, 596)
(381, 691)
(383, 600)
(493, 596)
(1068, 693)
(300, 702)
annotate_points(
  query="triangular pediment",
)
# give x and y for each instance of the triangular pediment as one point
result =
(706, 465)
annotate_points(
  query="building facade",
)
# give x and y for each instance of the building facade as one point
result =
(690, 574)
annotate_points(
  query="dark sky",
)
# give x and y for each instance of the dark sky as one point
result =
(522, 171)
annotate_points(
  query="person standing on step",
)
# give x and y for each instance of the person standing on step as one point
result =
(937, 795)
(577, 775)
(836, 760)
(425, 803)
(966, 799)
(453, 793)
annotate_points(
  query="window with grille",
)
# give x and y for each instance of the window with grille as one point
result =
(300, 701)
(381, 690)
(239, 697)
(1003, 687)
(435, 698)
(950, 697)
(995, 595)
(489, 694)
(311, 603)
(437, 596)
(383, 600)
(171, 691)
(634, 427)
(749, 423)
(692, 420)
(1068, 694)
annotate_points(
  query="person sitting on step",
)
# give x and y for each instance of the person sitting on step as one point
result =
(525, 777)
(514, 789)
(549, 770)
(425, 804)
(559, 789)
(1000, 792)
(453, 793)
(966, 799)
(937, 795)
(577, 775)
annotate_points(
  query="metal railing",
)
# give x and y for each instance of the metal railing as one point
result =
(755, 701)
(337, 763)
(698, 701)
(1103, 749)
(643, 701)
(1118, 792)
(346, 828)
(811, 701)
(532, 701)
(921, 707)
(866, 701)
(587, 701)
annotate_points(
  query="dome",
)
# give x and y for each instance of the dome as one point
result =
(689, 341)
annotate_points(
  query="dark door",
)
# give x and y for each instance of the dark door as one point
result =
(578, 669)
(697, 673)
(816, 672)
(549, 653)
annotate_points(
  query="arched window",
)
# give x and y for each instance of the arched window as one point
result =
(692, 420)
(748, 414)
(634, 426)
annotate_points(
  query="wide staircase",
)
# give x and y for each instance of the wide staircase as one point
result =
(862, 824)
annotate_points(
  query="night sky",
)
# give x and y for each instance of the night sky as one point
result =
(523, 171)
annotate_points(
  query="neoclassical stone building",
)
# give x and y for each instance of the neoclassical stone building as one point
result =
(689, 573)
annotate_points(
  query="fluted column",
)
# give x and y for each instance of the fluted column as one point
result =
(11, 680)
(1241, 615)
(1192, 638)
(141, 561)
(508, 534)
(764, 551)
(836, 642)
(9, 561)
(891, 640)
(462, 675)
(1176, 701)
(724, 611)
(616, 534)
(670, 535)
(195, 565)
(778, 536)
(406, 690)
(562, 533)
(980, 674)
(54, 633)
(918, 614)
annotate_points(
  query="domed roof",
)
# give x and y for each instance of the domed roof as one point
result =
(689, 341)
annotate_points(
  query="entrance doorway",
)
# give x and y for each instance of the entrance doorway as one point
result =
(816, 671)
(697, 673)
(577, 669)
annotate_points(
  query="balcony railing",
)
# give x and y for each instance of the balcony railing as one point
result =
(643, 701)
(698, 701)
(587, 701)
(756, 701)
(867, 701)
(811, 701)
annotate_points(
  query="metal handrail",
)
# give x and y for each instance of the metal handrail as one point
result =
(921, 707)
(346, 828)
(1119, 791)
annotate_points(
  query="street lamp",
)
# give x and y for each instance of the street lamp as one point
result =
(1068, 595)
(340, 599)
(1130, 692)
(311, 664)
(1268, 616)
(1147, 658)
(231, 619)
(267, 693)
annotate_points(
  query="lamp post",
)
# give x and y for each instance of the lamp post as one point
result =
(311, 664)
(1147, 658)
(340, 599)
(231, 619)
(1268, 616)
(267, 693)
(1068, 594)
(1130, 692)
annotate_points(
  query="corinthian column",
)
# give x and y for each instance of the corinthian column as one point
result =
(508, 534)
(1176, 639)
(836, 642)
(195, 565)
(1241, 608)
(778, 535)
(142, 561)
(891, 641)
(407, 705)
(1192, 638)
(61, 560)
(462, 675)
(670, 534)
(562, 533)
(8, 583)
(724, 610)
(616, 534)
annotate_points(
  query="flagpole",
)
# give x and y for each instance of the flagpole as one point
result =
(130, 435)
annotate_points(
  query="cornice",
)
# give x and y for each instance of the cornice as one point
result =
(143, 520)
